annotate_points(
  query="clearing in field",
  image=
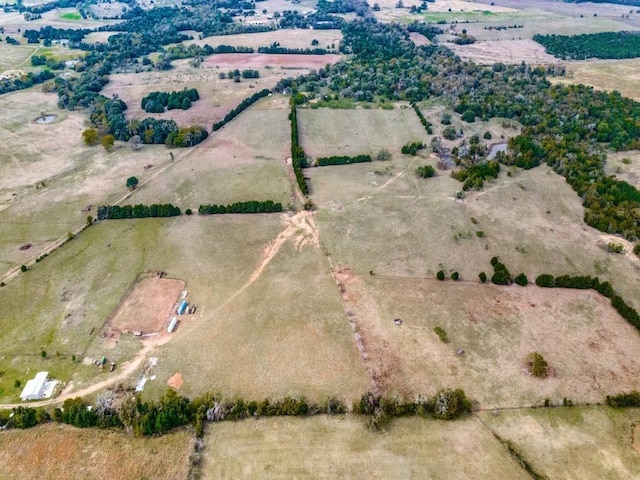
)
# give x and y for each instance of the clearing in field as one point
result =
(325, 132)
(625, 166)
(270, 321)
(505, 51)
(578, 443)
(149, 305)
(334, 447)
(62, 451)
(287, 38)
(256, 60)
(589, 347)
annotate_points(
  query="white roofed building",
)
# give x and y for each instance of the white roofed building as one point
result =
(39, 387)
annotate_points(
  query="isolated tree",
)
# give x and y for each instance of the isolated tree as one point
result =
(132, 183)
(90, 136)
(440, 275)
(107, 142)
(539, 366)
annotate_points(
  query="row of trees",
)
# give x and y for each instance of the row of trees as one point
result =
(412, 148)
(253, 206)
(246, 103)
(186, 137)
(298, 156)
(342, 160)
(156, 102)
(112, 212)
(592, 45)
(425, 123)
(295, 51)
(20, 82)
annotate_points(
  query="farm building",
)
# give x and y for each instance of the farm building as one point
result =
(39, 387)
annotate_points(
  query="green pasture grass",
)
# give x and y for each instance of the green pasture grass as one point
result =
(71, 16)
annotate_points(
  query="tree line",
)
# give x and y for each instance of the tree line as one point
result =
(425, 123)
(156, 102)
(295, 51)
(606, 45)
(342, 160)
(113, 212)
(252, 206)
(246, 103)
(298, 156)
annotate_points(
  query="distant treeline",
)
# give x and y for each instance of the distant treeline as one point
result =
(297, 51)
(633, 3)
(607, 45)
(252, 206)
(246, 103)
(113, 212)
(156, 102)
(342, 160)
(298, 157)
(49, 33)
(24, 81)
(180, 51)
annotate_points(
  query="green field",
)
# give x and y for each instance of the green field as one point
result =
(590, 443)
(71, 16)
(324, 448)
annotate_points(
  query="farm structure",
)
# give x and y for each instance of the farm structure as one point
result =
(172, 325)
(38, 387)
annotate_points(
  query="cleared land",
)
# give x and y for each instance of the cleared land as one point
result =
(590, 443)
(620, 75)
(326, 132)
(255, 60)
(587, 345)
(324, 448)
(148, 307)
(270, 321)
(505, 51)
(298, 38)
(625, 166)
(61, 451)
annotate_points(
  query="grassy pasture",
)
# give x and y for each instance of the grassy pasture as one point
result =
(13, 57)
(620, 75)
(71, 16)
(505, 51)
(589, 348)
(625, 166)
(325, 447)
(61, 451)
(590, 443)
(286, 38)
(49, 174)
(243, 161)
(326, 132)
(60, 304)
(269, 322)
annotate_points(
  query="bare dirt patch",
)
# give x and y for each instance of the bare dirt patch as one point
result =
(255, 60)
(175, 381)
(419, 39)
(505, 51)
(148, 306)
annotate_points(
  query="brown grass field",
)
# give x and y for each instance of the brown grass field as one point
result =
(505, 51)
(149, 305)
(298, 38)
(625, 166)
(588, 443)
(334, 447)
(61, 451)
(256, 60)
(589, 348)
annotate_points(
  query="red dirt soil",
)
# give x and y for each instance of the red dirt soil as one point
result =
(255, 60)
(148, 306)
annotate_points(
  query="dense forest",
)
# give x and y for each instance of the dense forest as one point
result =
(592, 45)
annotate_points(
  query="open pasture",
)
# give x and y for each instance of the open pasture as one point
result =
(380, 217)
(15, 57)
(504, 51)
(270, 322)
(625, 166)
(62, 451)
(149, 305)
(298, 38)
(590, 349)
(334, 447)
(240, 162)
(608, 75)
(274, 60)
(325, 132)
(579, 443)
(14, 22)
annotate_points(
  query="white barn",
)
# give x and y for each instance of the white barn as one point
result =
(39, 387)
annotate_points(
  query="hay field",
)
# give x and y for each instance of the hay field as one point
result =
(334, 447)
(589, 443)
(608, 75)
(62, 451)
(270, 321)
(505, 51)
(13, 57)
(589, 347)
(243, 161)
(298, 38)
(326, 132)
(14, 22)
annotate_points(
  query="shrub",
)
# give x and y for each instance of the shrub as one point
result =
(441, 334)
(450, 404)
(425, 172)
(636, 249)
(482, 276)
(455, 276)
(23, 268)
(412, 148)
(545, 280)
(449, 133)
(383, 155)
(539, 366)
(522, 280)
(43, 354)
(17, 384)
(615, 247)
(624, 400)
(440, 275)
(487, 135)
(188, 211)
(480, 234)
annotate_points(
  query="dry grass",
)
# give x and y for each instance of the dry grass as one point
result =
(592, 443)
(505, 51)
(286, 38)
(61, 451)
(331, 447)
(589, 348)
(625, 166)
